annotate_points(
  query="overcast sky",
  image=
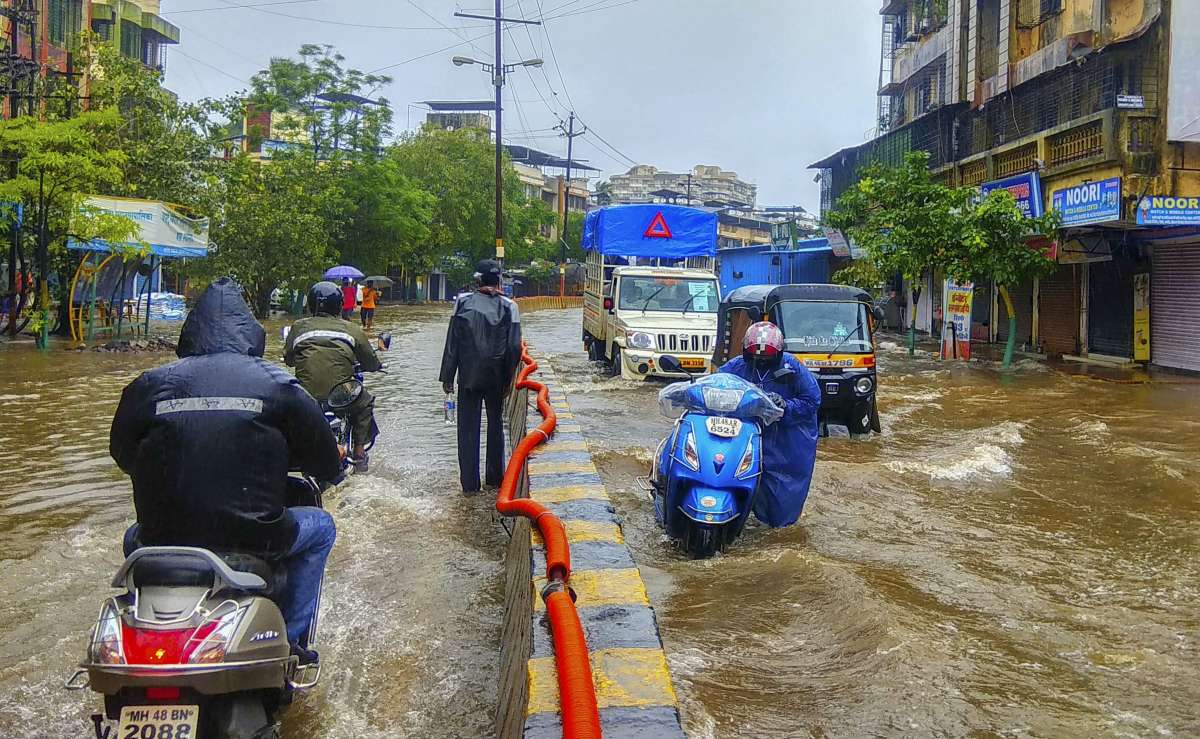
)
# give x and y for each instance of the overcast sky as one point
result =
(762, 87)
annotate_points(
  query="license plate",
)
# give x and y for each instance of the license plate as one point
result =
(158, 722)
(726, 427)
(692, 363)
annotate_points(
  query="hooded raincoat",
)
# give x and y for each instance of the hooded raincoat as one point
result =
(790, 444)
(209, 439)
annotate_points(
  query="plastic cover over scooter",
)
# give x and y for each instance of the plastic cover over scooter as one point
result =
(719, 395)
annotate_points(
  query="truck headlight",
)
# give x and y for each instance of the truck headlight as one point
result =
(640, 340)
(864, 385)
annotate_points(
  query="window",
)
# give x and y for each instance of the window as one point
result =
(1049, 7)
(131, 40)
(65, 20)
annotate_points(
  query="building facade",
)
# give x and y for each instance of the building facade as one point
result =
(703, 185)
(1084, 106)
(133, 26)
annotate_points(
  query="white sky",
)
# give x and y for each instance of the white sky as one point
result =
(762, 87)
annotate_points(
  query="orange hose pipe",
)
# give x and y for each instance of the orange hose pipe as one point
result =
(577, 692)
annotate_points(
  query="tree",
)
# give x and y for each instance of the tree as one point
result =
(276, 228)
(905, 222)
(996, 247)
(60, 163)
(388, 220)
(325, 104)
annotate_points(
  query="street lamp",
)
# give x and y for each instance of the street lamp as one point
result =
(498, 73)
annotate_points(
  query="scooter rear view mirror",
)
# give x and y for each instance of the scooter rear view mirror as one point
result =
(671, 364)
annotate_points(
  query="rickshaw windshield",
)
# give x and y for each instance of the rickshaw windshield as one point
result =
(814, 326)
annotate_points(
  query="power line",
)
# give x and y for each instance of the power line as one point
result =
(429, 54)
(593, 9)
(327, 22)
(210, 66)
(230, 7)
(591, 131)
(554, 58)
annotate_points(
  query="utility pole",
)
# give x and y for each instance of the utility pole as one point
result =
(498, 69)
(689, 189)
(566, 204)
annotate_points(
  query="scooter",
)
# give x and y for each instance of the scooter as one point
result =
(705, 473)
(195, 648)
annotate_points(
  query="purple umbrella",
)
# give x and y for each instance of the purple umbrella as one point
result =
(343, 271)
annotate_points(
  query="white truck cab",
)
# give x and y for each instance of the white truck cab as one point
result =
(642, 313)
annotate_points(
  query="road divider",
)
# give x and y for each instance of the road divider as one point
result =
(630, 684)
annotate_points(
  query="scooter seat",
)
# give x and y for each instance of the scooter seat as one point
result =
(179, 570)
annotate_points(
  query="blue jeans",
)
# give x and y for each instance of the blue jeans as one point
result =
(304, 563)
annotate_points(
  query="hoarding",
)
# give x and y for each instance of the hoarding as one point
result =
(1166, 210)
(837, 241)
(1026, 188)
(1183, 105)
(167, 231)
(956, 329)
(1089, 203)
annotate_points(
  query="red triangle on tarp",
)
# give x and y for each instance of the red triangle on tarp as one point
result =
(658, 228)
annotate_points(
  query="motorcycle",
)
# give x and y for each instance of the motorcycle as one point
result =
(705, 473)
(196, 647)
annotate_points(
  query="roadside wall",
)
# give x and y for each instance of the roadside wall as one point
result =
(633, 685)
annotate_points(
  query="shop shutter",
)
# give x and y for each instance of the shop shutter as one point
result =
(1058, 312)
(1175, 307)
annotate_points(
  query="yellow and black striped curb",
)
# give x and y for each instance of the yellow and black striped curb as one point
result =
(629, 667)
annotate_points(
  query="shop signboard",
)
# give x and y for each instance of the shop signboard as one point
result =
(838, 242)
(1089, 203)
(1166, 210)
(1026, 188)
(956, 329)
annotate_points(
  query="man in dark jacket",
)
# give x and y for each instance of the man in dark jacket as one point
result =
(324, 350)
(209, 440)
(483, 347)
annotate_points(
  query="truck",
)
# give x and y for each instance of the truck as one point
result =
(651, 289)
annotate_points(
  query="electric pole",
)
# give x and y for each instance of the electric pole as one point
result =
(570, 133)
(498, 69)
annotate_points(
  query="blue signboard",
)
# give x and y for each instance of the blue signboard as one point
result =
(1091, 202)
(1164, 210)
(1026, 188)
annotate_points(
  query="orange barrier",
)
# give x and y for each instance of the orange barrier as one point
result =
(577, 692)
(550, 301)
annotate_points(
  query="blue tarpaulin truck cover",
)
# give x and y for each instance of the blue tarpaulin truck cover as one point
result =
(652, 231)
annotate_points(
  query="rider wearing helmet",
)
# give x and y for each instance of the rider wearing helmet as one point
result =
(790, 445)
(324, 349)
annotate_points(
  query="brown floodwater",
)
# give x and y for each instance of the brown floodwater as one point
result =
(414, 590)
(1016, 555)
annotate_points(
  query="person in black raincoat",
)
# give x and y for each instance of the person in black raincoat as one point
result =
(483, 347)
(789, 446)
(208, 441)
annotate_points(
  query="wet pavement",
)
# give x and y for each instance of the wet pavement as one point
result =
(1014, 556)
(414, 590)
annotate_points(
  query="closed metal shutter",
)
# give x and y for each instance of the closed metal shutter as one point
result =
(1022, 298)
(1058, 312)
(1110, 307)
(1175, 307)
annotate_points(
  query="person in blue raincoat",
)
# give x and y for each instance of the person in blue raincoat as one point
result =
(790, 444)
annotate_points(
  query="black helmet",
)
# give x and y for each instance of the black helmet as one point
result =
(325, 298)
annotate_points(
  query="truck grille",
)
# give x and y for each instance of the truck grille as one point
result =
(696, 343)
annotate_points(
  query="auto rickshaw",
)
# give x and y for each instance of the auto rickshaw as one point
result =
(830, 328)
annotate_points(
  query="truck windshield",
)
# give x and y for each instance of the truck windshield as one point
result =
(816, 327)
(668, 294)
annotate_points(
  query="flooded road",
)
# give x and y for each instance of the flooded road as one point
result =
(414, 590)
(1012, 557)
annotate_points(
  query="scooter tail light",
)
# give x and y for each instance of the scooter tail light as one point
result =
(209, 645)
(747, 460)
(689, 452)
(107, 647)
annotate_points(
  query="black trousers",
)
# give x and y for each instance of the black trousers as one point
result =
(470, 412)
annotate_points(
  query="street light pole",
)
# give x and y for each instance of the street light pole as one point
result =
(498, 80)
(566, 205)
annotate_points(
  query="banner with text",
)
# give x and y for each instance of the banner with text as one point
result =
(956, 328)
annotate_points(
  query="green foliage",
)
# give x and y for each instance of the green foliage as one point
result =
(861, 273)
(996, 244)
(317, 94)
(274, 228)
(388, 219)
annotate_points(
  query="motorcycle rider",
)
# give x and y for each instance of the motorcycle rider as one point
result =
(789, 445)
(208, 441)
(483, 348)
(324, 350)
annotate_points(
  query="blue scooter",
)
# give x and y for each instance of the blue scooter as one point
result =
(706, 472)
